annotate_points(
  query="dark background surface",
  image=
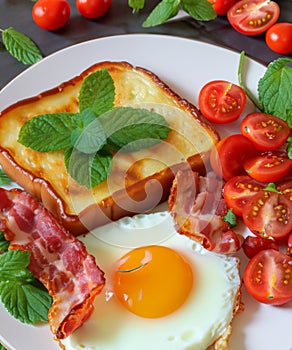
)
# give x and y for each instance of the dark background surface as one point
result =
(121, 20)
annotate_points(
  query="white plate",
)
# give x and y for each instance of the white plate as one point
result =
(186, 65)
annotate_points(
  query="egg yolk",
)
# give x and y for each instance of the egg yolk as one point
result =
(152, 281)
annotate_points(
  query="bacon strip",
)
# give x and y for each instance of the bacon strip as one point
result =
(58, 259)
(197, 207)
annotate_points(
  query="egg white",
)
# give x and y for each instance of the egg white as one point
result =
(196, 325)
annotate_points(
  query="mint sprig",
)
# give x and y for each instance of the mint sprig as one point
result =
(20, 46)
(20, 292)
(90, 137)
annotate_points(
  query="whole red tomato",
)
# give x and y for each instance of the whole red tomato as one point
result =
(51, 14)
(222, 6)
(279, 38)
(93, 8)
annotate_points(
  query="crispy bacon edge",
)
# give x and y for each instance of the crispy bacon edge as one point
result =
(58, 259)
(197, 207)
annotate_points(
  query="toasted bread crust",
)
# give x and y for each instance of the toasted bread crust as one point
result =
(77, 208)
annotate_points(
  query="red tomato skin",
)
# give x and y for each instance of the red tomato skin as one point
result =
(265, 131)
(222, 6)
(268, 166)
(228, 155)
(93, 8)
(254, 244)
(238, 190)
(267, 277)
(279, 38)
(268, 215)
(51, 14)
(221, 101)
(253, 17)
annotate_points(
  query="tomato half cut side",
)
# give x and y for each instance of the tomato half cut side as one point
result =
(265, 131)
(228, 155)
(254, 244)
(238, 190)
(253, 17)
(268, 166)
(268, 214)
(267, 277)
(221, 101)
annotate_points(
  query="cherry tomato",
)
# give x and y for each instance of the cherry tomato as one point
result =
(221, 101)
(265, 131)
(285, 187)
(93, 8)
(51, 14)
(252, 17)
(267, 277)
(268, 214)
(238, 190)
(268, 166)
(279, 38)
(289, 249)
(254, 244)
(221, 6)
(228, 155)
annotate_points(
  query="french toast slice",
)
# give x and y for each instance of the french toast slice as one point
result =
(138, 181)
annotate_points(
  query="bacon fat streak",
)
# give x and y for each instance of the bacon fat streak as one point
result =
(58, 259)
(197, 208)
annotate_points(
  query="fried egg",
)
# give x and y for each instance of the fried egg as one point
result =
(164, 291)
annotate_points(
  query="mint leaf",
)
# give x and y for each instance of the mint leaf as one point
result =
(4, 179)
(20, 292)
(275, 90)
(201, 10)
(130, 129)
(230, 217)
(2, 347)
(3, 243)
(136, 5)
(48, 132)
(165, 10)
(272, 188)
(97, 92)
(20, 46)
(88, 170)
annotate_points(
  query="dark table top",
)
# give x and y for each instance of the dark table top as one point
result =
(121, 20)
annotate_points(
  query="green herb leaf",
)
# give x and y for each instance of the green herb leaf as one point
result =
(88, 170)
(230, 217)
(20, 46)
(275, 90)
(21, 294)
(201, 10)
(165, 10)
(48, 132)
(3, 243)
(4, 179)
(136, 5)
(272, 188)
(97, 92)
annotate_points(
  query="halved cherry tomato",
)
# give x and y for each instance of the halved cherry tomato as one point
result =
(268, 214)
(267, 277)
(221, 6)
(93, 8)
(285, 187)
(221, 101)
(51, 14)
(268, 166)
(253, 17)
(265, 131)
(254, 244)
(289, 249)
(279, 38)
(238, 190)
(229, 154)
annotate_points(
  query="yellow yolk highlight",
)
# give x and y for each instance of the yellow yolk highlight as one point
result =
(152, 281)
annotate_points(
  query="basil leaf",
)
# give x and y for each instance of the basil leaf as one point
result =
(48, 132)
(165, 10)
(275, 90)
(4, 179)
(88, 170)
(201, 10)
(4, 244)
(97, 92)
(20, 46)
(130, 129)
(136, 5)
